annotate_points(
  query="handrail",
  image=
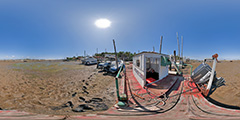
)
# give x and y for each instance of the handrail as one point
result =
(117, 76)
(116, 80)
(191, 68)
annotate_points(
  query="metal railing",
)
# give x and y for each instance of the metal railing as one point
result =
(191, 68)
(116, 80)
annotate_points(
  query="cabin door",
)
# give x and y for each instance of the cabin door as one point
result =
(152, 68)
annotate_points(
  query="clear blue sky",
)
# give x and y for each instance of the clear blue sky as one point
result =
(57, 28)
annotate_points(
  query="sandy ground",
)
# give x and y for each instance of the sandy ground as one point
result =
(54, 87)
(66, 88)
(230, 93)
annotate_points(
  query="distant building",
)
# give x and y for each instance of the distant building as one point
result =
(109, 56)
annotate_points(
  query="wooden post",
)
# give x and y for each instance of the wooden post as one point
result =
(178, 45)
(115, 53)
(116, 79)
(182, 48)
(175, 58)
(160, 50)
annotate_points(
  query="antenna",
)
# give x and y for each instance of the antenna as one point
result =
(160, 50)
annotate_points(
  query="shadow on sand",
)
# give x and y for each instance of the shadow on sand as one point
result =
(221, 104)
(218, 103)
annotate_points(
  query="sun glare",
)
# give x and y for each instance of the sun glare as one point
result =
(103, 23)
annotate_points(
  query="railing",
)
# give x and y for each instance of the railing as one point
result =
(191, 68)
(116, 80)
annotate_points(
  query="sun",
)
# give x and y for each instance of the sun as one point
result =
(103, 23)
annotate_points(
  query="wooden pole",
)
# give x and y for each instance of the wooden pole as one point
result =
(116, 79)
(174, 53)
(178, 45)
(160, 50)
(182, 48)
(115, 53)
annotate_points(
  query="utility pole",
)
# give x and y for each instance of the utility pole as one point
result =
(97, 50)
(160, 50)
(153, 49)
(84, 53)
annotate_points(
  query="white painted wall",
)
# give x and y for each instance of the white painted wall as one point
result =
(163, 72)
(138, 75)
(139, 72)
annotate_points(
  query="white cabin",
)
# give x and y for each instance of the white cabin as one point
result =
(147, 65)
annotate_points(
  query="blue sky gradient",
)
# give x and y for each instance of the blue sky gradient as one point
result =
(57, 29)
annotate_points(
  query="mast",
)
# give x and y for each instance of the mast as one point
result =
(178, 45)
(115, 53)
(160, 49)
(182, 47)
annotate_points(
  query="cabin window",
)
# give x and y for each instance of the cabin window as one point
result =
(138, 63)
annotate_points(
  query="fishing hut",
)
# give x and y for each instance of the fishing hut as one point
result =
(149, 67)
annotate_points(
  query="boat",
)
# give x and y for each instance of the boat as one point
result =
(147, 89)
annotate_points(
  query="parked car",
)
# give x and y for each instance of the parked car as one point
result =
(101, 65)
(89, 61)
(105, 65)
(113, 67)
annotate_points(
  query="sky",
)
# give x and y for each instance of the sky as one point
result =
(55, 29)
